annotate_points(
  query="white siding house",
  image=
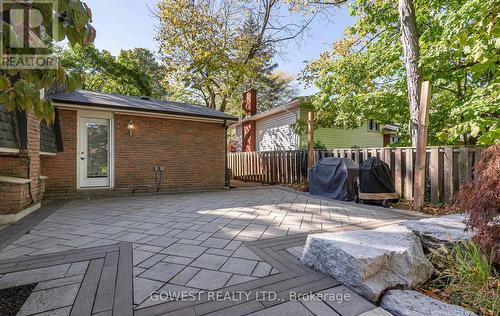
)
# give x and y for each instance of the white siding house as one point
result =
(274, 130)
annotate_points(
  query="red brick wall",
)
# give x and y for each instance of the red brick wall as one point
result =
(61, 169)
(192, 153)
(16, 197)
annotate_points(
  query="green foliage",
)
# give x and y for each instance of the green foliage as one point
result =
(363, 76)
(215, 50)
(465, 277)
(133, 72)
(317, 145)
(20, 88)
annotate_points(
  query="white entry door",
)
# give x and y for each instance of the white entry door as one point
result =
(94, 156)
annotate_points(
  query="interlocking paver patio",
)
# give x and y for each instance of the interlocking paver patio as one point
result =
(196, 241)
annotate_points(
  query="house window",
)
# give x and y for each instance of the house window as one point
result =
(373, 125)
(393, 139)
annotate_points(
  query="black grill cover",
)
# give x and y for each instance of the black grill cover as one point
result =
(333, 177)
(375, 180)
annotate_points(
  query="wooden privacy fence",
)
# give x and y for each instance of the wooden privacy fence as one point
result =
(447, 167)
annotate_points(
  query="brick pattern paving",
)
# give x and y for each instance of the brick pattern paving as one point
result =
(79, 282)
(194, 242)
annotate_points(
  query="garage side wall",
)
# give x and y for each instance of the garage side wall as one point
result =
(193, 153)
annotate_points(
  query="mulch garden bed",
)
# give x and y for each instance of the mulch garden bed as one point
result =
(13, 298)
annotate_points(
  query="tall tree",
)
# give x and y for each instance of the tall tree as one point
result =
(20, 88)
(363, 77)
(411, 51)
(212, 48)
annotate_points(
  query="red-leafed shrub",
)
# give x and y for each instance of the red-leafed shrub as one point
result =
(481, 200)
(233, 146)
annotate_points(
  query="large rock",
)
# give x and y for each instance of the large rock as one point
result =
(370, 262)
(412, 303)
(440, 231)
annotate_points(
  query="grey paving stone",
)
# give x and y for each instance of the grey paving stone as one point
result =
(208, 261)
(203, 236)
(188, 234)
(262, 269)
(138, 270)
(239, 266)
(237, 279)
(178, 260)
(318, 307)
(148, 226)
(220, 252)
(158, 231)
(163, 241)
(184, 250)
(33, 276)
(162, 271)
(184, 276)
(139, 256)
(131, 237)
(233, 245)
(245, 253)
(143, 289)
(177, 292)
(150, 248)
(77, 279)
(215, 243)
(77, 268)
(345, 302)
(189, 242)
(209, 280)
(148, 263)
(50, 299)
(65, 311)
(288, 308)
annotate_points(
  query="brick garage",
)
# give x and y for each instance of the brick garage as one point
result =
(188, 141)
(192, 153)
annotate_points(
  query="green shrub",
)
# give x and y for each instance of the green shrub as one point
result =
(466, 277)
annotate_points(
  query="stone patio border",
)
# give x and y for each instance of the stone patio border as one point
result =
(107, 285)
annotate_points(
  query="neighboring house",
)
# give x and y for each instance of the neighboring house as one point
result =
(275, 130)
(106, 143)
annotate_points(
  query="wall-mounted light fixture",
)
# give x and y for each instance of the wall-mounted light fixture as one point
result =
(131, 127)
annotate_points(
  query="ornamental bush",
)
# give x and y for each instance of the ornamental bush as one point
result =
(480, 198)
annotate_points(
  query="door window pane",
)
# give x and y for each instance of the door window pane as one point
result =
(97, 150)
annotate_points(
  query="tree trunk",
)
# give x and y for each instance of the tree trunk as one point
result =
(212, 99)
(223, 105)
(409, 38)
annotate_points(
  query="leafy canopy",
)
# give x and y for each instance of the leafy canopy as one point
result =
(132, 72)
(20, 88)
(363, 76)
(215, 50)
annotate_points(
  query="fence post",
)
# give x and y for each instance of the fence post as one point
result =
(398, 172)
(448, 175)
(434, 174)
(387, 156)
(464, 167)
(409, 174)
(310, 139)
(423, 125)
